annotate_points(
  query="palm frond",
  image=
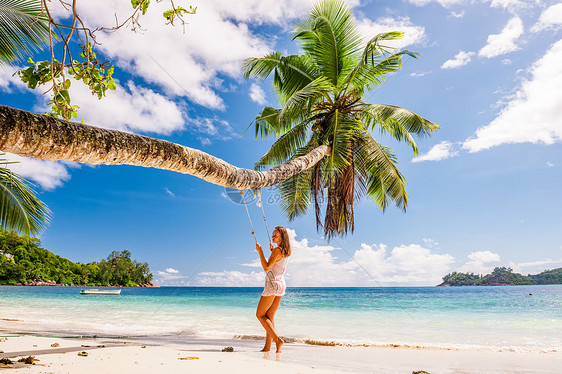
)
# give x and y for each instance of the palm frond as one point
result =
(375, 63)
(286, 147)
(290, 73)
(20, 209)
(295, 194)
(24, 29)
(303, 100)
(331, 37)
(384, 179)
(396, 121)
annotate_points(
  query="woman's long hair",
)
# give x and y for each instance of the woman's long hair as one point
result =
(285, 245)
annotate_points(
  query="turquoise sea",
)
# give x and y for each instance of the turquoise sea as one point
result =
(496, 318)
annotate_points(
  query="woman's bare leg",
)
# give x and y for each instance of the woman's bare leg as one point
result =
(271, 315)
(263, 306)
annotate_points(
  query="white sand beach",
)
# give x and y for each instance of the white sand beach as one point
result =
(61, 355)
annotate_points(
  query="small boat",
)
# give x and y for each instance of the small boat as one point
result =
(95, 291)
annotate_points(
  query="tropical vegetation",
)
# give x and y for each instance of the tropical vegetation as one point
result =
(502, 276)
(323, 101)
(24, 261)
(20, 209)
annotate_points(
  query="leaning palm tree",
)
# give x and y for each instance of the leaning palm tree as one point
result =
(20, 209)
(322, 94)
(23, 29)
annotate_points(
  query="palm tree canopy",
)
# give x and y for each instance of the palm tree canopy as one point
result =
(322, 102)
(23, 29)
(20, 209)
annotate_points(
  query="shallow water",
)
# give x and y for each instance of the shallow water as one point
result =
(463, 317)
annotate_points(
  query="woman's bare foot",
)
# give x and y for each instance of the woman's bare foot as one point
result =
(279, 342)
(265, 349)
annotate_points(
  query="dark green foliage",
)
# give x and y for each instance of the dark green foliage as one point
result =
(24, 260)
(502, 276)
(548, 277)
(461, 279)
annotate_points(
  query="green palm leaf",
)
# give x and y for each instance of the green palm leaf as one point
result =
(398, 122)
(285, 147)
(331, 38)
(20, 209)
(23, 29)
(384, 179)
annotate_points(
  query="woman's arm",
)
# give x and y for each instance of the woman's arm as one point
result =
(275, 256)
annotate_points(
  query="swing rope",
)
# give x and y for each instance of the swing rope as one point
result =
(250, 219)
(263, 214)
(248, 212)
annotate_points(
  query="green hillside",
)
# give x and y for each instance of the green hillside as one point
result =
(24, 261)
(502, 276)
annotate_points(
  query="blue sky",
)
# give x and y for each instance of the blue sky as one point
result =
(484, 191)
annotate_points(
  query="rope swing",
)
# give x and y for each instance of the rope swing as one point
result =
(259, 203)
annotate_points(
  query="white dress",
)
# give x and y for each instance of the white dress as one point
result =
(275, 280)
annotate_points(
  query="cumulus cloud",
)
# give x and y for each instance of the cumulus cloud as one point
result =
(129, 108)
(551, 18)
(412, 34)
(549, 164)
(169, 277)
(505, 41)
(533, 114)
(462, 58)
(480, 262)
(327, 265)
(439, 152)
(457, 14)
(257, 94)
(9, 82)
(48, 174)
(420, 74)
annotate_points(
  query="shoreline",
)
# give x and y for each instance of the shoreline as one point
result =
(171, 354)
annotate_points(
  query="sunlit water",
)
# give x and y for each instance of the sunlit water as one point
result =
(463, 317)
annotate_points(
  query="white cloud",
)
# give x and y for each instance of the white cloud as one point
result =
(48, 174)
(462, 58)
(535, 267)
(506, 4)
(326, 265)
(421, 74)
(170, 193)
(169, 277)
(131, 108)
(551, 18)
(8, 81)
(504, 42)
(549, 164)
(211, 127)
(506, 61)
(257, 95)
(478, 262)
(533, 114)
(412, 34)
(439, 152)
(457, 14)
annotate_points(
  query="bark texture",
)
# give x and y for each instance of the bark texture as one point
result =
(48, 138)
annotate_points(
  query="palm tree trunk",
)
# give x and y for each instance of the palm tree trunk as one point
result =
(48, 138)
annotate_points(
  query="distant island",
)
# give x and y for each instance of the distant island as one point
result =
(24, 262)
(502, 276)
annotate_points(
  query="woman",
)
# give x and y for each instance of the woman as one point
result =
(274, 268)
